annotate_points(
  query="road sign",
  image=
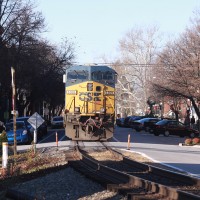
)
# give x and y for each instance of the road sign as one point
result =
(35, 120)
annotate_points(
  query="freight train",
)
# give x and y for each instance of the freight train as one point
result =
(89, 112)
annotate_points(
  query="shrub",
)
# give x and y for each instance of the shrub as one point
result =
(196, 141)
(188, 141)
(3, 138)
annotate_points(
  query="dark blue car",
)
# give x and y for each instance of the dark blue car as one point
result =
(22, 133)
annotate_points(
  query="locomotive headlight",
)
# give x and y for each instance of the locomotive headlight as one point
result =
(109, 93)
(102, 110)
(90, 87)
(77, 109)
(73, 92)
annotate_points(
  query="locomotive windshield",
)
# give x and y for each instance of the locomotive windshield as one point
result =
(106, 77)
(78, 75)
(101, 74)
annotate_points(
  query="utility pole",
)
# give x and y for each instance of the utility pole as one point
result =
(1, 29)
(14, 109)
(1, 1)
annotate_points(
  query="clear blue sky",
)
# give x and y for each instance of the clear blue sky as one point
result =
(96, 26)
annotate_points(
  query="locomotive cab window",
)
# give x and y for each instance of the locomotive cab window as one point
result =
(77, 75)
(107, 77)
(97, 75)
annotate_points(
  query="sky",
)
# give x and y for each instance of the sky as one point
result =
(96, 26)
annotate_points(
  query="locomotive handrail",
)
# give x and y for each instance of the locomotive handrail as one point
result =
(72, 99)
(111, 102)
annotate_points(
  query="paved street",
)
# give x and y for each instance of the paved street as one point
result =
(162, 149)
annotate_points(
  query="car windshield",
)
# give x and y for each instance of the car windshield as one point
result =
(24, 119)
(144, 120)
(58, 119)
(162, 122)
(137, 118)
(19, 125)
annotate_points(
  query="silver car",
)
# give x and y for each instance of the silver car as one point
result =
(57, 122)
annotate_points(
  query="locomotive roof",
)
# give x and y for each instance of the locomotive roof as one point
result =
(91, 68)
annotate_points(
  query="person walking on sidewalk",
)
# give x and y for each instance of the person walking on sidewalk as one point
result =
(192, 122)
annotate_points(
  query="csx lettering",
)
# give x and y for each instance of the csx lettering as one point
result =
(87, 96)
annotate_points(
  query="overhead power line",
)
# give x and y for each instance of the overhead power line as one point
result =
(121, 64)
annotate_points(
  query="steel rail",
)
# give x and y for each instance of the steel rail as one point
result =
(125, 183)
(156, 170)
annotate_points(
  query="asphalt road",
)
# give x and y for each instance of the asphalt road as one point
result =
(161, 148)
(51, 136)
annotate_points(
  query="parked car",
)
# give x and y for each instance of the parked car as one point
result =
(126, 121)
(41, 130)
(120, 122)
(173, 127)
(133, 119)
(144, 124)
(23, 135)
(57, 122)
(152, 125)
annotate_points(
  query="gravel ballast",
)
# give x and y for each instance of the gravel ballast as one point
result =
(66, 184)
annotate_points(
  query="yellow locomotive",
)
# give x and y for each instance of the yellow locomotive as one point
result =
(89, 102)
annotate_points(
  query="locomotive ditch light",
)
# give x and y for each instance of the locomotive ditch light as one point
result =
(102, 110)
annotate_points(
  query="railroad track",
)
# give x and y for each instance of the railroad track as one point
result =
(133, 179)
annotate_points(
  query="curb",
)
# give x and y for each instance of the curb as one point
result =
(189, 145)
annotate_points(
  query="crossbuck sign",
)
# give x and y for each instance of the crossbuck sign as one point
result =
(35, 120)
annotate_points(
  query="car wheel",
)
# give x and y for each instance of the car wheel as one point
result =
(166, 133)
(156, 134)
(150, 130)
(30, 139)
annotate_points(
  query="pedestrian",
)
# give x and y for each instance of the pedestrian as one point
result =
(2, 127)
(192, 122)
(187, 121)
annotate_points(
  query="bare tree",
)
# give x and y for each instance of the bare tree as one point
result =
(138, 50)
(181, 66)
(39, 65)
